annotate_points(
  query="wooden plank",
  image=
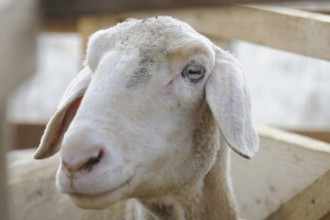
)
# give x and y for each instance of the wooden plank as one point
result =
(315, 6)
(60, 25)
(326, 217)
(26, 135)
(301, 32)
(310, 204)
(74, 8)
(290, 30)
(320, 135)
(285, 164)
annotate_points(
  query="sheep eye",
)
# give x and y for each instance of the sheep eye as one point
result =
(194, 72)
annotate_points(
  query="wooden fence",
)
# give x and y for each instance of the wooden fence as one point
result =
(290, 176)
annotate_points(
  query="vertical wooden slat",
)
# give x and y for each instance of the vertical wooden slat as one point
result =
(18, 22)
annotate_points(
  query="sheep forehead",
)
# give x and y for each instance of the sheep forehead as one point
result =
(149, 31)
(156, 38)
(158, 33)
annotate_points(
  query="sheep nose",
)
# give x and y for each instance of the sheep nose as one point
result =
(83, 164)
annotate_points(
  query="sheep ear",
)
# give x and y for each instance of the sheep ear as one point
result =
(228, 98)
(61, 119)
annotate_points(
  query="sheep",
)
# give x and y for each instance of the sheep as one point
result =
(151, 117)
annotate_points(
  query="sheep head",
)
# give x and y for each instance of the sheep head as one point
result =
(144, 117)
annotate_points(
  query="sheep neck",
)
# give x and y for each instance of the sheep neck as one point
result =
(210, 198)
(206, 199)
(218, 195)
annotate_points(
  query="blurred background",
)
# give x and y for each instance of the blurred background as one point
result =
(42, 56)
(42, 46)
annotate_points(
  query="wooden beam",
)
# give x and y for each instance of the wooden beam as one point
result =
(315, 6)
(320, 135)
(310, 204)
(60, 25)
(26, 135)
(285, 165)
(74, 8)
(326, 217)
(301, 32)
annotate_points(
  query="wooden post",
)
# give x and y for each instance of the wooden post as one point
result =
(17, 52)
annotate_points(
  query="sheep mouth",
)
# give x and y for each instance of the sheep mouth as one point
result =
(100, 195)
(82, 196)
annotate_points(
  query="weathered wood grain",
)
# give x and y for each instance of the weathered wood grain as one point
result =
(285, 165)
(312, 203)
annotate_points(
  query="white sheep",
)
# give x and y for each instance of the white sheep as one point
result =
(150, 118)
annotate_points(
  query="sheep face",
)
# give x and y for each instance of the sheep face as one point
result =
(139, 119)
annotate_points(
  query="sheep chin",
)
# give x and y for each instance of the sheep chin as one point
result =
(99, 201)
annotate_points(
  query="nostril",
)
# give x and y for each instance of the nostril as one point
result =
(91, 162)
(82, 165)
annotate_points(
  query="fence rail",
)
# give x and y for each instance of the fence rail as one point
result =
(76, 8)
(297, 31)
(290, 30)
